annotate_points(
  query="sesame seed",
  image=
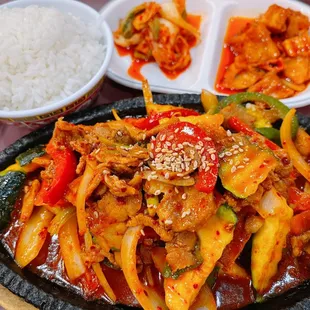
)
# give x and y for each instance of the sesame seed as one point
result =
(195, 164)
(168, 222)
(231, 162)
(144, 136)
(96, 214)
(157, 149)
(246, 159)
(142, 232)
(208, 139)
(157, 192)
(235, 146)
(152, 146)
(170, 138)
(228, 132)
(167, 175)
(186, 177)
(240, 167)
(233, 169)
(228, 153)
(240, 143)
(207, 169)
(235, 152)
(163, 137)
(151, 155)
(241, 150)
(180, 146)
(184, 196)
(177, 130)
(221, 155)
(198, 147)
(180, 175)
(203, 158)
(210, 164)
(213, 157)
(176, 190)
(188, 212)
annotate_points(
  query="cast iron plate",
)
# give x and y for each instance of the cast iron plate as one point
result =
(50, 296)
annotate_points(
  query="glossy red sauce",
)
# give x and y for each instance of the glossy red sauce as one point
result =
(229, 292)
(235, 25)
(134, 70)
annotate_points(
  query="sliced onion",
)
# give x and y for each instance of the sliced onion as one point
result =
(81, 198)
(146, 296)
(32, 236)
(70, 249)
(103, 281)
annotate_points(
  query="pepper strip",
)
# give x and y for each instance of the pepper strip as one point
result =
(270, 101)
(237, 125)
(152, 121)
(287, 143)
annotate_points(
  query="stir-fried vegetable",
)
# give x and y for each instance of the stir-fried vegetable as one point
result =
(10, 186)
(272, 103)
(64, 172)
(187, 134)
(214, 237)
(33, 236)
(269, 241)
(241, 173)
(147, 297)
(286, 138)
(166, 207)
(71, 250)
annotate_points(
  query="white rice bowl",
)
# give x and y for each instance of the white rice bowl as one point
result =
(45, 56)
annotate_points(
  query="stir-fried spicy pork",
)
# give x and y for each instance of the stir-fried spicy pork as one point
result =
(177, 210)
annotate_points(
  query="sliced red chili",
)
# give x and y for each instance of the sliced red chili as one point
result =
(147, 123)
(237, 125)
(300, 223)
(169, 145)
(65, 164)
(300, 199)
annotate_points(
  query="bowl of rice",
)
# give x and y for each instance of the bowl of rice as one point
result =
(53, 58)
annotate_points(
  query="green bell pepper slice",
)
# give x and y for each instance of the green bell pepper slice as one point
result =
(272, 102)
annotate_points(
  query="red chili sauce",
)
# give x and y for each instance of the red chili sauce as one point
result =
(235, 25)
(134, 70)
(229, 292)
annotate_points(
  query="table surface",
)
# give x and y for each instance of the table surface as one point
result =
(110, 92)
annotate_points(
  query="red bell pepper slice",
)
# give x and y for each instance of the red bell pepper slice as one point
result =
(182, 132)
(237, 125)
(300, 223)
(147, 123)
(65, 164)
(300, 199)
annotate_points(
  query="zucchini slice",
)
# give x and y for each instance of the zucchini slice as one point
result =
(26, 158)
(242, 171)
(10, 186)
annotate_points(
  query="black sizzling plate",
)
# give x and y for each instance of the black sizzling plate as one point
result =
(48, 295)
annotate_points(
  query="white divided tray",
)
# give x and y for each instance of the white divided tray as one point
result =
(206, 56)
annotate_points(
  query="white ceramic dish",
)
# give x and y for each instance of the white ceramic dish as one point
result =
(206, 56)
(84, 96)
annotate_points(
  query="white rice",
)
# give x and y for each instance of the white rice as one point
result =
(45, 56)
